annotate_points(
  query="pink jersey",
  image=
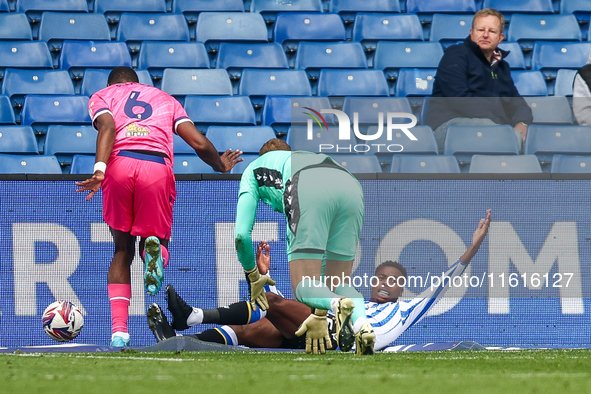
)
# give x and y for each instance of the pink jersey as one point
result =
(145, 117)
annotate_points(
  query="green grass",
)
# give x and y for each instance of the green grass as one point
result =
(526, 371)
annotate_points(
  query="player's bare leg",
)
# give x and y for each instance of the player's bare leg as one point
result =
(119, 286)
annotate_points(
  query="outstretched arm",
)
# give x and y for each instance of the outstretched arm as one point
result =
(477, 238)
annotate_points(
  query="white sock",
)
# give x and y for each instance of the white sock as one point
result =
(357, 324)
(196, 317)
(334, 304)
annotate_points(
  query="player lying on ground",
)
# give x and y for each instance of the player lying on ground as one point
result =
(276, 327)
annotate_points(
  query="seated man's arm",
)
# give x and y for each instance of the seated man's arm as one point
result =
(582, 101)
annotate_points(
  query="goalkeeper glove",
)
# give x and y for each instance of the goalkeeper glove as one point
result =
(257, 283)
(316, 329)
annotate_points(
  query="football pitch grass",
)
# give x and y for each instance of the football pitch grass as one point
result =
(523, 371)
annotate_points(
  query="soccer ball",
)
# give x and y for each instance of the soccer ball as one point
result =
(62, 321)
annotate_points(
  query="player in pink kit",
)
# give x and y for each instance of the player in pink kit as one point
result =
(135, 126)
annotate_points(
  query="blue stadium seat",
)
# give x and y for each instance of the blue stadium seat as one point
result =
(6, 111)
(155, 56)
(112, 9)
(64, 142)
(352, 83)
(94, 80)
(563, 86)
(280, 112)
(235, 57)
(181, 147)
(76, 56)
(24, 55)
(465, 141)
(182, 82)
(529, 83)
(501, 164)
(249, 139)
(571, 164)
(515, 58)
(418, 164)
(215, 27)
(449, 29)
(371, 28)
(15, 26)
(528, 28)
(40, 111)
(368, 109)
(391, 56)
(348, 8)
(192, 8)
(240, 167)
(291, 28)
(550, 110)
(322, 141)
(358, 164)
(55, 27)
(426, 8)
(191, 164)
(18, 83)
(257, 83)
(29, 164)
(510, 7)
(135, 28)
(580, 8)
(314, 56)
(270, 8)
(82, 164)
(18, 139)
(424, 145)
(415, 82)
(545, 141)
(549, 57)
(34, 8)
(4, 7)
(205, 111)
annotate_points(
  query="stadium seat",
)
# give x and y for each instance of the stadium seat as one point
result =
(112, 9)
(417, 164)
(449, 29)
(465, 141)
(348, 8)
(563, 86)
(550, 110)
(40, 111)
(181, 147)
(82, 164)
(358, 164)
(528, 28)
(18, 83)
(55, 27)
(280, 112)
(571, 164)
(76, 56)
(192, 8)
(205, 111)
(368, 29)
(391, 56)
(290, 28)
(6, 111)
(183, 82)
(515, 58)
(64, 142)
(368, 109)
(135, 28)
(510, 7)
(24, 55)
(94, 80)
(257, 83)
(549, 57)
(155, 56)
(426, 8)
(4, 7)
(241, 166)
(314, 56)
(29, 164)
(191, 164)
(323, 141)
(249, 139)
(35, 8)
(545, 141)
(529, 83)
(14, 26)
(352, 83)
(215, 27)
(414, 82)
(17, 140)
(502, 164)
(580, 8)
(270, 8)
(401, 144)
(235, 57)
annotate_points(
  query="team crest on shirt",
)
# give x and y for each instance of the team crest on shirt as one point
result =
(133, 130)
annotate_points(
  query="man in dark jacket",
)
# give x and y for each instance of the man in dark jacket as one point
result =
(476, 68)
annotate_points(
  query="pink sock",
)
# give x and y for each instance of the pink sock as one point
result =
(119, 296)
(165, 255)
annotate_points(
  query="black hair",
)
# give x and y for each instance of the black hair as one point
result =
(393, 264)
(122, 74)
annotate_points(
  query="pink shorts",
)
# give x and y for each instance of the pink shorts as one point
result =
(138, 196)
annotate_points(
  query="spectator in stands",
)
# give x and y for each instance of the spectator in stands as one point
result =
(476, 68)
(135, 126)
(582, 94)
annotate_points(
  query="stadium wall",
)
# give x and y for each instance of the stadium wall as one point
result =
(55, 245)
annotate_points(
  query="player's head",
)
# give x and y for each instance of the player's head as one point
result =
(121, 75)
(389, 287)
(274, 144)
